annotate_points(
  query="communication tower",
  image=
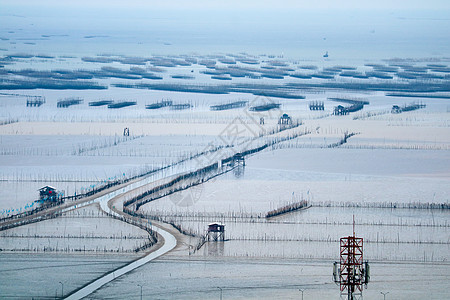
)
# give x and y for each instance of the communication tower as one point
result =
(351, 272)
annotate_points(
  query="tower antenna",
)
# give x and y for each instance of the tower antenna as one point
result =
(354, 225)
(351, 272)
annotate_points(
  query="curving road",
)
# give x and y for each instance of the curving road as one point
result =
(169, 243)
(106, 202)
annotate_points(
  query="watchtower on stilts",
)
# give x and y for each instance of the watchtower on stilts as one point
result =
(238, 160)
(216, 232)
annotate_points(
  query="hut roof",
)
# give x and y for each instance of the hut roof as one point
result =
(216, 223)
(47, 187)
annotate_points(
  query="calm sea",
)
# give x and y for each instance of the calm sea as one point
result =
(347, 36)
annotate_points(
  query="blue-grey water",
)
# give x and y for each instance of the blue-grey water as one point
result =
(347, 35)
(350, 35)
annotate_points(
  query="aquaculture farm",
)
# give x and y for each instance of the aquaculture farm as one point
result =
(218, 174)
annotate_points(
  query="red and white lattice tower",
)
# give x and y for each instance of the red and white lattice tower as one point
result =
(351, 272)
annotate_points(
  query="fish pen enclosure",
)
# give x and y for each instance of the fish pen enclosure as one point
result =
(355, 105)
(350, 100)
(341, 110)
(35, 101)
(303, 204)
(158, 105)
(180, 106)
(66, 102)
(231, 105)
(316, 105)
(413, 106)
(100, 103)
(265, 107)
(121, 104)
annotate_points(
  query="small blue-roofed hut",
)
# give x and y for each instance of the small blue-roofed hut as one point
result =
(48, 193)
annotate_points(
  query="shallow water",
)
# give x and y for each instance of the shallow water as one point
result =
(298, 36)
(269, 279)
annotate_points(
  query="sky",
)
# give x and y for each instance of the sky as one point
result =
(238, 4)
